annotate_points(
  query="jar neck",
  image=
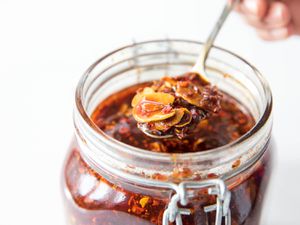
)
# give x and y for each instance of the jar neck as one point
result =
(143, 167)
(104, 153)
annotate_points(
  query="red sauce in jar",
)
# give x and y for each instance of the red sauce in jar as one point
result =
(95, 200)
(114, 117)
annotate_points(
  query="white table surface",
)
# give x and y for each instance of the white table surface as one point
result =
(45, 46)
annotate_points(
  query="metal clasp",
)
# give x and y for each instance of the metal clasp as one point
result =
(215, 187)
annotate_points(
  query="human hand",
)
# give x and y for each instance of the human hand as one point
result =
(273, 20)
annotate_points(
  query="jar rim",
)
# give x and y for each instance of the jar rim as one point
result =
(219, 151)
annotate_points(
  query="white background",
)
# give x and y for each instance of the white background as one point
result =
(45, 46)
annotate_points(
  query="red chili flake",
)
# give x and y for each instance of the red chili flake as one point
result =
(137, 210)
(124, 120)
(179, 173)
(236, 164)
(155, 203)
(183, 83)
(212, 175)
(131, 199)
(158, 176)
(124, 130)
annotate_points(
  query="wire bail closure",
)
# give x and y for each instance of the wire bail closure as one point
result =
(215, 187)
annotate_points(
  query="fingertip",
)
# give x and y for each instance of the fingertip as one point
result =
(257, 8)
(266, 36)
(276, 34)
(278, 13)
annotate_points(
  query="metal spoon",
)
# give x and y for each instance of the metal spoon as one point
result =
(200, 65)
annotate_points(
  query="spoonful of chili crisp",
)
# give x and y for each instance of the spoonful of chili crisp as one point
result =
(174, 106)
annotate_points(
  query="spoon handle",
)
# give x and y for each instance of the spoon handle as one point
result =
(199, 67)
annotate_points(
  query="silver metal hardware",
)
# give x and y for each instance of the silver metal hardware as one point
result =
(215, 187)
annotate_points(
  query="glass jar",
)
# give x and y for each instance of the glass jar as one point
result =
(106, 182)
